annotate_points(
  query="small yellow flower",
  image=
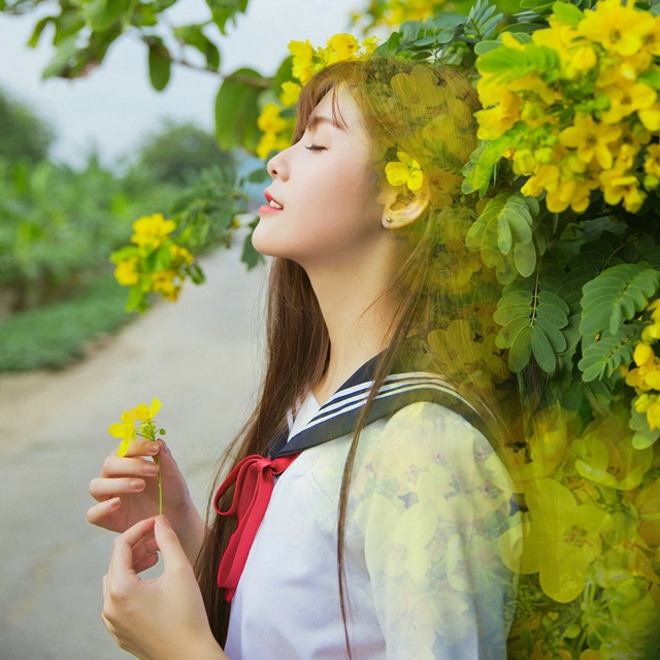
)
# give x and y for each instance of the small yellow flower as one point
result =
(269, 142)
(406, 172)
(143, 413)
(619, 29)
(303, 54)
(270, 120)
(290, 93)
(643, 354)
(564, 539)
(626, 99)
(590, 139)
(152, 230)
(344, 46)
(124, 430)
(126, 273)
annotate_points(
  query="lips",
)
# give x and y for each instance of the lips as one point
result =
(270, 198)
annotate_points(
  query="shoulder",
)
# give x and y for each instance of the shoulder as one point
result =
(427, 438)
(432, 426)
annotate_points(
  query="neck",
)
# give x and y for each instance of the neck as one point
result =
(357, 314)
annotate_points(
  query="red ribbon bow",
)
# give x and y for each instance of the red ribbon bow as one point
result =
(254, 478)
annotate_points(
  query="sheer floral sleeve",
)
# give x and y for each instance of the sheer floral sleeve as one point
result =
(431, 502)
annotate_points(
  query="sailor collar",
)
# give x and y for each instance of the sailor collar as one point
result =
(338, 416)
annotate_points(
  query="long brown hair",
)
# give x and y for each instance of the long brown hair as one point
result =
(297, 341)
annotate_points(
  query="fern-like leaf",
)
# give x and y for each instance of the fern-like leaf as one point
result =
(601, 358)
(616, 296)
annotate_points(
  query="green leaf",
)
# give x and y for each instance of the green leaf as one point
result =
(567, 13)
(448, 20)
(521, 350)
(193, 35)
(38, 29)
(159, 66)
(524, 255)
(542, 350)
(236, 111)
(478, 171)
(258, 176)
(601, 358)
(616, 296)
(66, 50)
(250, 257)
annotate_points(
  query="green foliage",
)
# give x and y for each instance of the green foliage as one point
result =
(533, 316)
(237, 110)
(54, 336)
(617, 295)
(177, 153)
(503, 234)
(644, 435)
(24, 135)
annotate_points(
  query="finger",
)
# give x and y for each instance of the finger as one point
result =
(121, 560)
(100, 512)
(144, 547)
(141, 447)
(169, 544)
(102, 489)
(113, 466)
(146, 562)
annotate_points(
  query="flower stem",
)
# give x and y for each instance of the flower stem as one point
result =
(160, 487)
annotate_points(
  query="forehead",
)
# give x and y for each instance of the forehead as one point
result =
(347, 113)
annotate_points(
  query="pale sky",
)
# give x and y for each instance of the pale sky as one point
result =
(116, 104)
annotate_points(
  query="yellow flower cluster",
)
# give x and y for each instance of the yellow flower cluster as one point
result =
(645, 377)
(276, 130)
(588, 119)
(154, 263)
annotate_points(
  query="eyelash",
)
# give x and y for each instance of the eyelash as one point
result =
(315, 148)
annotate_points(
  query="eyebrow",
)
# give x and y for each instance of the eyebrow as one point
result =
(315, 120)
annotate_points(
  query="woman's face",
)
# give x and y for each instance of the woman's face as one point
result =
(324, 184)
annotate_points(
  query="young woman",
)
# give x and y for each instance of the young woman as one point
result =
(356, 517)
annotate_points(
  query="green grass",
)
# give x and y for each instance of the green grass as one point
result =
(54, 336)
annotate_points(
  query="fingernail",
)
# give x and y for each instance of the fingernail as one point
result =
(162, 521)
(114, 502)
(153, 448)
(150, 469)
(136, 484)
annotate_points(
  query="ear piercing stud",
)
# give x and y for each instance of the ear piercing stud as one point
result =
(388, 220)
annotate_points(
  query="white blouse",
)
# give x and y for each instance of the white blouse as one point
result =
(424, 565)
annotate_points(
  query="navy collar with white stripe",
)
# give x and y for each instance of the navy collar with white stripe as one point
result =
(339, 414)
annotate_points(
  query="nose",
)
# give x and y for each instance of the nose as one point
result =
(276, 166)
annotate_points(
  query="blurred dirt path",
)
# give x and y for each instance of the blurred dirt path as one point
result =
(201, 358)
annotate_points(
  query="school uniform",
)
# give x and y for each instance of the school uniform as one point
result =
(424, 570)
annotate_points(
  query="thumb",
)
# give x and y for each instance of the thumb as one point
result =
(168, 465)
(169, 544)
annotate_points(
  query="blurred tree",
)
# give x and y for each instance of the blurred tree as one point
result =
(179, 152)
(24, 135)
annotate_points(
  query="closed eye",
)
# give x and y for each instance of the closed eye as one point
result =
(315, 148)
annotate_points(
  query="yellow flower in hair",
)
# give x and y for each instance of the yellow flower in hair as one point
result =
(343, 46)
(406, 172)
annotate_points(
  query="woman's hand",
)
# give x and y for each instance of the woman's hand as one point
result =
(127, 492)
(159, 619)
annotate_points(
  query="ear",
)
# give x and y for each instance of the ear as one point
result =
(403, 206)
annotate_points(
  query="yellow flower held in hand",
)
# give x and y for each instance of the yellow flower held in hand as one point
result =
(124, 430)
(147, 429)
